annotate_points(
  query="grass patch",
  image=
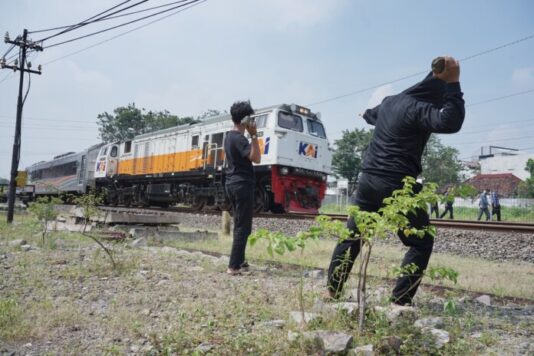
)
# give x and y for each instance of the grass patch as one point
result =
(478, 275)
(12, 325)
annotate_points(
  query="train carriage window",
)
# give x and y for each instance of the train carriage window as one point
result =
(127, 146)
(315, 128)
(290, 121)
(194, 142)
(114, 151)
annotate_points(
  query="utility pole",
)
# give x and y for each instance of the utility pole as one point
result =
(24, 44)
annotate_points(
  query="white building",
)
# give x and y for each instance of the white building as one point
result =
(506, 162)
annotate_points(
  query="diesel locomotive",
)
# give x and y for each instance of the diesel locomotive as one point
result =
(186, 165)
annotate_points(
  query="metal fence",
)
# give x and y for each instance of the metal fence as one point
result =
(512, 209)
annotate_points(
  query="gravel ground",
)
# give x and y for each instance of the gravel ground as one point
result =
(167, 301)
(490, 245)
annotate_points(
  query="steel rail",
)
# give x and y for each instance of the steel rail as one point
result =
(497, 226)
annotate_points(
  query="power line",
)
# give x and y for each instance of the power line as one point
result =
(485, 102)
(495, 140)
(123, 34)
(501, 97)
(8, 50)
(54, 128)
(422, 72)
(121, 25)
(88, 21)
(116, 16)
(42, 119)
(10, 74)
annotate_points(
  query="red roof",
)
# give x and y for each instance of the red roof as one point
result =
(505, 184)
(497, 175)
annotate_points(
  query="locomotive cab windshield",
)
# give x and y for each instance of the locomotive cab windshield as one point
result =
(107, 161)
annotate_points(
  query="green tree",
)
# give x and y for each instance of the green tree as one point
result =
(526, 188)
(348, 157)
(440, 163)
(210, 113)
(128, 121)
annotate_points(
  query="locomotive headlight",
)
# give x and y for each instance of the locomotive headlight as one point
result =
(284, 171)
(324, 177)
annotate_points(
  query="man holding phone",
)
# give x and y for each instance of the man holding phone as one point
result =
(240, 179)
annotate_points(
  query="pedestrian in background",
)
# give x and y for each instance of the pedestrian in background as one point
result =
(240, 180)
(449, 201)
(403, 124)
(495, 205)
(483, 205)
(434, 208)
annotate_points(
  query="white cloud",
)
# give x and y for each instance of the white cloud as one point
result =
(523, 76)
(379, 94)
(280, 15)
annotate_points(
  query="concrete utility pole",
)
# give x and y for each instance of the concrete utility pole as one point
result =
(24, 45)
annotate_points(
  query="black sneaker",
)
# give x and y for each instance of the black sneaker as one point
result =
(245, 267)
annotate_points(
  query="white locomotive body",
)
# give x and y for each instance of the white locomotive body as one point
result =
(186, 164)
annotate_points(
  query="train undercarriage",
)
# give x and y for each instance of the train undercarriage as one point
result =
(274, 192)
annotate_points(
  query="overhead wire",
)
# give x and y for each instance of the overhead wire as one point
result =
(124, 33)
(8, 50)
(87, 21)
(501, 97)
(120, 25)
(464, 59)
(116, 16)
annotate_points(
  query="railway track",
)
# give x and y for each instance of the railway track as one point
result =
(515, 227)
(501, 226)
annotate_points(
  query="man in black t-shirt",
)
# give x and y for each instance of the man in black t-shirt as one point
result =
(240, 180)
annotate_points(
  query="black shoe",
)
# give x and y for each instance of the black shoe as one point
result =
(245, 267)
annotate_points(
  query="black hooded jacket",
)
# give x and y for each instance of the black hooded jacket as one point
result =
(403, 123)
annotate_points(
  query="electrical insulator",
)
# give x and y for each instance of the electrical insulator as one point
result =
(29, 64)
(6, 37)
(39, 67)
(16, 63)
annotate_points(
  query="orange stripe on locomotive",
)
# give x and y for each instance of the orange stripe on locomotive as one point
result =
(170, 163)
(165, 163)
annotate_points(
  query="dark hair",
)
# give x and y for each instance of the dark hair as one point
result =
(240, 110)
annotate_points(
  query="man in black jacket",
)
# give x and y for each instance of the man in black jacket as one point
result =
(403, 124)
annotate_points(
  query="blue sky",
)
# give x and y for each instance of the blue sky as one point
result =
(269, 51)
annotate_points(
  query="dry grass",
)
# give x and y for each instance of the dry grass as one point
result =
(512, 279)
(65, 299)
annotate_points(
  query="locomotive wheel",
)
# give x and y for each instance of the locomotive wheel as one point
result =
(260, 199)
(277, 209)
(198, 204)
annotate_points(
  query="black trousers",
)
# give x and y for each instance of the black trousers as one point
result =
(496, 209)
(241, 197)
(371, 192)
(448, 208)
(434, 209)
(484, 210)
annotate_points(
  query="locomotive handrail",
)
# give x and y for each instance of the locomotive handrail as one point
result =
(212, 148)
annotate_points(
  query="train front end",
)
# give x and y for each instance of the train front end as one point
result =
(295, 147)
